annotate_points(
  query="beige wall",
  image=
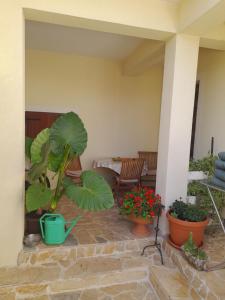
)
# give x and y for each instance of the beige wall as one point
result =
(211, 108)
(121, 113)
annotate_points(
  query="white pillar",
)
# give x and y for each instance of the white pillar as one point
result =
(181, 57)
(12, 118)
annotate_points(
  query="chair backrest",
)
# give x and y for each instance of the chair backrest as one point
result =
(75, 165)
(131, 168)
(150, 158)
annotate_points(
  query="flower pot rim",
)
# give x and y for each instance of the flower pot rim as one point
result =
(187, 223)
(132, 217)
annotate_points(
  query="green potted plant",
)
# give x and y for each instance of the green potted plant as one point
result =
(195, 256)
(197, 190)
(52, 150)
(184, 218)
(141, 205)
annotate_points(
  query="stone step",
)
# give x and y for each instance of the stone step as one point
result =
(140, 290)
(68, 276)
(43, 254)
(207, 285)
(170, 284)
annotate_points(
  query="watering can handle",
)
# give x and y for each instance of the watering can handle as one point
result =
(41, 221)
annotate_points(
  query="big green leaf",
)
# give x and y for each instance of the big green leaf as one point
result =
(67, 181)
(54, 161)
(68, 130)
(28, 142)
(94, 195)
(37, 196)
(36, 147)
(39, 168)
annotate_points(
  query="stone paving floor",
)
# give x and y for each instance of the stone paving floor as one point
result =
(214, 245)
(97, 227)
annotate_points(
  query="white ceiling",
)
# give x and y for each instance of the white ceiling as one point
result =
(51, 37)
(174, 1)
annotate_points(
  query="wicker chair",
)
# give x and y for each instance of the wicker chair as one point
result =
(74, 170)
(151, 159)
(130, 174)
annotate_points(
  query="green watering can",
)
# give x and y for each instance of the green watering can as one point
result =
(53, 228)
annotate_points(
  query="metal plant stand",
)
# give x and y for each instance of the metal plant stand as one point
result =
(156, 243)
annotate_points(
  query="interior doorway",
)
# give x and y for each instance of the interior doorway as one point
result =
(195, 112)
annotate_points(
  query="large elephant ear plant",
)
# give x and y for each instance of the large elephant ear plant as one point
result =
(53, 149)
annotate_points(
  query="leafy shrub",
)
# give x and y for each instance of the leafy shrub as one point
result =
(191, 248)
(187, 212)
(206, 165)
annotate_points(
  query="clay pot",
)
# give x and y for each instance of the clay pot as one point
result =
(140, 226)
(32, 224)
(180, 230)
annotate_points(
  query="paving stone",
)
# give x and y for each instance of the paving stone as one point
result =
(210, 296)
(86, 251)
(93, 265)
(14, 275)
(7, 293)
(74, 284)
(118, 277)
(31, 289)
(194, 295)
(117, 288)
(89, 294)
(66, 296)
(43, 297)
(109, 248)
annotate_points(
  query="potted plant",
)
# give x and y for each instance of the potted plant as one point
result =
(195, 256)
(52, 150)
(201, 168)
(184, 218)
(198, 191)
(141, 205)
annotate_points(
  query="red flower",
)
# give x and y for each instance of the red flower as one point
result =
(152, 214)
(137, 199)
(140, 201)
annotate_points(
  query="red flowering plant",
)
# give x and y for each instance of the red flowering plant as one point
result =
(142, 202)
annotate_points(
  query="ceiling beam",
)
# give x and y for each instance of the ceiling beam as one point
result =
(198, 17)
(154, 19)
(148, 54)
(214, 39)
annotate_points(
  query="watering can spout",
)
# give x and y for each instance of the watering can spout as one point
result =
(72, 224)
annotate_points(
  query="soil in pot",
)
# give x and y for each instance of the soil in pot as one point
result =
(180, 230)
(141, 226)
(32, 224)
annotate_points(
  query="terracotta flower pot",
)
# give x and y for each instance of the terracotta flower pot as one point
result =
(140, 225)
(32, 224)
(180, 230)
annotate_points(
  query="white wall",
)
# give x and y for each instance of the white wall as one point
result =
(121, 113)
(211, 108)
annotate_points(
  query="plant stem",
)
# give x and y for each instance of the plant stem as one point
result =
(60, 177)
